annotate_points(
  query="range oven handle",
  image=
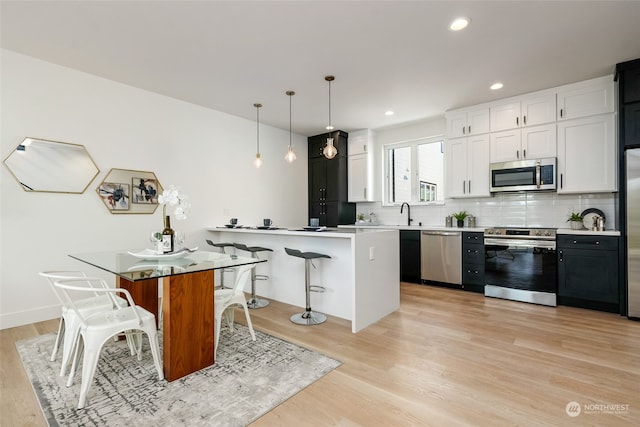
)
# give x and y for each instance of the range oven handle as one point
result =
(521, 243)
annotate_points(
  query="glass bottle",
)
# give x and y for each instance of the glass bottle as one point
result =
(167, 236)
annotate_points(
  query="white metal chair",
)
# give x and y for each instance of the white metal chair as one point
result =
(69, 320)
(97, 328)
(225, 299)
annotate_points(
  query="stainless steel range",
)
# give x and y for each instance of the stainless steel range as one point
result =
(521, 264)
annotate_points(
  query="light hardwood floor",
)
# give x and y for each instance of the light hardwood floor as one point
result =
(446, 358)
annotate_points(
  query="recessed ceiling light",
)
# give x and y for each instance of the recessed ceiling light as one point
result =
(496, 86)
(459, 24)
(389, 113)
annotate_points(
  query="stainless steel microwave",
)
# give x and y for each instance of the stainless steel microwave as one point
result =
(523, 175)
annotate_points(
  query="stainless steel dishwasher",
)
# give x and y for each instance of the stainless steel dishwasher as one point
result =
(441, 256)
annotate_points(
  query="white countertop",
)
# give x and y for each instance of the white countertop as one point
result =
(412, 227)
(476, 229)
(298, 231)
(586, 232)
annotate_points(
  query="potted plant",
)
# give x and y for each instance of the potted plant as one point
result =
(360, 217)
(575, 221)
(460, 216)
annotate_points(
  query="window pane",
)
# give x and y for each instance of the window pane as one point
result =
(431, 172)
(400, 164)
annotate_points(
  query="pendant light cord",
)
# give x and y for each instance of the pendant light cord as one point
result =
(330, 104)
(258, 126)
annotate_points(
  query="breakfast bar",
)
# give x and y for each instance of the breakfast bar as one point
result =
(361, 279)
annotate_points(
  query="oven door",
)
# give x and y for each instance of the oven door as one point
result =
(523, 264)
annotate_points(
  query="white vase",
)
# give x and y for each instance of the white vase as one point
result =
(576, 225)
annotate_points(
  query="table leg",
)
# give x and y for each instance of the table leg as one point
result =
(188, 323)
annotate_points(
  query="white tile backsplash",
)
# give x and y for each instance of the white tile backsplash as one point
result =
(509, 209)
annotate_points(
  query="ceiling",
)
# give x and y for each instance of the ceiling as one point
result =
(389, 55)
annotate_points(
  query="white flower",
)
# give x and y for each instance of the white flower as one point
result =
(171, 197)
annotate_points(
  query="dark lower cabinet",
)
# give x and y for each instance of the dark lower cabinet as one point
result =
(473, 262)
(410, 256)
(588, 273)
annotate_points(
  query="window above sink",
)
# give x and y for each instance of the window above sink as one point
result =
(414, 172)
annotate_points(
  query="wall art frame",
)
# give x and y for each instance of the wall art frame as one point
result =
(142, 189)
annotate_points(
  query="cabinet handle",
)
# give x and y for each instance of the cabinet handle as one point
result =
(560, 180)
(364, 148)
(464, 130)
(517, 121)
(463, 187)
(595, 242)
(561, 256)
(365, 193)
(524, 119)
(561, 113)
(518, 154)
(469, 129)
(469, 186)
(524, 154)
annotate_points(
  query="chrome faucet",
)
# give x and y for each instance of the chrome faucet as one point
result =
(408, 212)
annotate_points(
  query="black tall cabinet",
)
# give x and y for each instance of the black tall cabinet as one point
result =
(628, 78)
(328, 179)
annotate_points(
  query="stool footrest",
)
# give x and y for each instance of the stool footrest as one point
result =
(316, 288)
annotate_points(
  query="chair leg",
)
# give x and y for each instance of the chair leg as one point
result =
(152, 334)
(78, 352)
(249, 324)
(56, 345)
(218, 321)
(71, 338)
(89, 364)
(229, 316)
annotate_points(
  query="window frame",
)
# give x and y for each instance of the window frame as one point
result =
(414, 173)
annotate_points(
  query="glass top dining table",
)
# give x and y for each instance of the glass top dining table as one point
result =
(188, 287)
(132, 268)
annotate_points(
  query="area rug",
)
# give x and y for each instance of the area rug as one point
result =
(248, 380)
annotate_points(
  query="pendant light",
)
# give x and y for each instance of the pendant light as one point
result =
(330, 151)
(290, 156)
(258, 161)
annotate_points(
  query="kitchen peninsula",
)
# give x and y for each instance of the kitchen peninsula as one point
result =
(361, 279)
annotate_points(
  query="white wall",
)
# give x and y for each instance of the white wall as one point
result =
(207, 153)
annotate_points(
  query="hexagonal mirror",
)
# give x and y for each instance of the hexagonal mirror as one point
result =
(51, 166)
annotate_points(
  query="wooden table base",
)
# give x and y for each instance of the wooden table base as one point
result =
(188, 319)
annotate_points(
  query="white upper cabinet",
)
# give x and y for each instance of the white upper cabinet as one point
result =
(359, 142)
(587, 98)
(535, 142)
(360, 167)
(523, 111)
(467, 162)
(466, 122)
(587, 155)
